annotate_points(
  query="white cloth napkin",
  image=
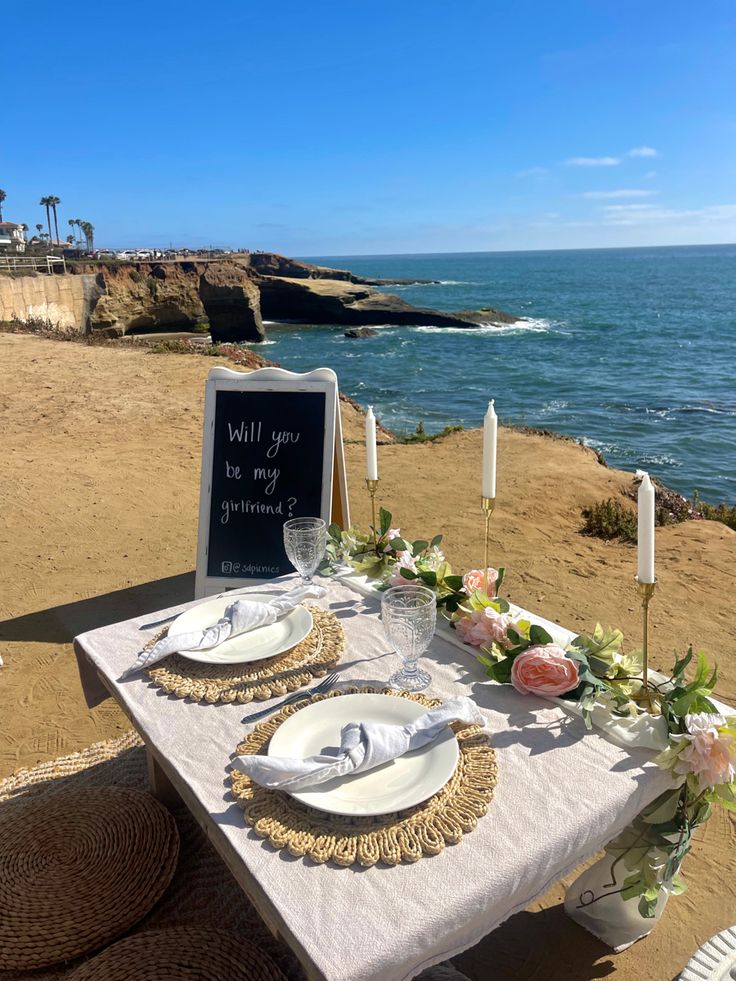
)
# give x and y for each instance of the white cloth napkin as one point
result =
(363, 746)
(240, 617)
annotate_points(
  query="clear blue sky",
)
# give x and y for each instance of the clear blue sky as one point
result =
(353, 127)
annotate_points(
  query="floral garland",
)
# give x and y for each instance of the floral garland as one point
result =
(388, 559)
(591, 670)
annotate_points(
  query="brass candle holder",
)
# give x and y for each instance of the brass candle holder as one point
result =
(372, 486)
(646, 591)
(488, 505)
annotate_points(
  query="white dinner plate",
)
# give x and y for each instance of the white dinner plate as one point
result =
(401, 783)
(255, 645)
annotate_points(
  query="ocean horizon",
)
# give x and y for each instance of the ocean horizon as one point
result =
(629, 350)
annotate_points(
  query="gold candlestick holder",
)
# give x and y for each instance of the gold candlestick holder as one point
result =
(372, 486)
(488, 505)
(646, 591)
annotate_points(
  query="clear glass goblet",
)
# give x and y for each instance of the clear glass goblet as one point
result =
(409, 615)
(305, 541)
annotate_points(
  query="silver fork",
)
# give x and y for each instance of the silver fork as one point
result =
(326, 683)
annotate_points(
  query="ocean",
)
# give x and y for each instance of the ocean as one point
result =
(631, 351)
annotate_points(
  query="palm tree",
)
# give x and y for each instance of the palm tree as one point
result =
(89, 234)
(70, 240)
(53, 201)
(46, 203)
(3, 195)
(39, 229)
(78, 223)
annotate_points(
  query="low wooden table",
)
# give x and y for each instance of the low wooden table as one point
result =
(562, 794)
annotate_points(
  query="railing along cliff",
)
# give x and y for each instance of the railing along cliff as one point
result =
(47, 263)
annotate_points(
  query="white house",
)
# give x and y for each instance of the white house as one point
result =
(12, 237)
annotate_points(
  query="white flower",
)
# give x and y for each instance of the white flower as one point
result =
(711, 753)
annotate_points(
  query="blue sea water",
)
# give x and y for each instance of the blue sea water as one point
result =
(629, 350)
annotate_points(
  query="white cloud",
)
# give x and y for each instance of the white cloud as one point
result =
(593, 161)
(650, 214)
(650, 175)
(642, 151)
(622, 193)
(532, 172)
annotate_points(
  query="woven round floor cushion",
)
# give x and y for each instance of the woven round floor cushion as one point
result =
(77, 869)
(179, 953)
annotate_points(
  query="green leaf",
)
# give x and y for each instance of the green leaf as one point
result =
(407, 573)
(663, 809)
(419, 546)
(500, 670)
(631, 892)
(335, 532)
(538, 635)
(455, 583)
(398, 545)
(682, 663)
(679, 886)
(384, 521)
(435, 541)
(429, 577)
(647, 906)
(500, 578)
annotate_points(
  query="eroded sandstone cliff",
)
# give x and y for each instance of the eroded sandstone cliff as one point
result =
(229, 296)
(150, 296)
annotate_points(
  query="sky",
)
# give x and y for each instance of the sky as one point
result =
(348, 128)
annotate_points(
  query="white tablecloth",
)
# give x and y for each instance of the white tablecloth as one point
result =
(562, 794)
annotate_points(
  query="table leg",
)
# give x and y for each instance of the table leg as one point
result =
(160, 785)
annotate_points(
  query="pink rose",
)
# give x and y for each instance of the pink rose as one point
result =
(476, 580)
(711, 755)
(544, 670)
(482, 627)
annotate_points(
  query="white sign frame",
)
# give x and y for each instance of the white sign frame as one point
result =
(221, 379)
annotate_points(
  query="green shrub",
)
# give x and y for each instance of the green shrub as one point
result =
(610, 519)
(135, 276)
(725, 513)
(420, 436)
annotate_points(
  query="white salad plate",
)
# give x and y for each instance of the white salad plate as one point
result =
(398, 784)
(254, 645)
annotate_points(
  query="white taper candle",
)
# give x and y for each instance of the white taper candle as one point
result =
(371, 452)
(646, 530)
(490, 436)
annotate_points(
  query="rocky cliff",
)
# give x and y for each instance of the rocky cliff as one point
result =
(149, 296)
(326, 301)
(273, 264)
(229, 296)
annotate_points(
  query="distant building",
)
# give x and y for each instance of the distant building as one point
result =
(12, 237)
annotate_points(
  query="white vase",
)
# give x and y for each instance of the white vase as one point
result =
(594, 901)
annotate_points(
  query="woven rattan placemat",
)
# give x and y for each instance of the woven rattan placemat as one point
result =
(180, 952)
(78, 869)
(317, 654)
(405, 836)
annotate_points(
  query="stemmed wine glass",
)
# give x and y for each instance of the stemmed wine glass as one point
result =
(409, 615)
(305, 541)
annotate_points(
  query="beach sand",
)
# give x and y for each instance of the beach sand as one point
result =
(98, 522)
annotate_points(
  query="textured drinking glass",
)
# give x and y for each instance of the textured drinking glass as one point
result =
(305, 541)
(409, 615)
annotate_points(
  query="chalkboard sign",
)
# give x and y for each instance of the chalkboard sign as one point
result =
(272, 449)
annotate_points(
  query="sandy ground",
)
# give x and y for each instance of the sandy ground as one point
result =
(99, 484)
